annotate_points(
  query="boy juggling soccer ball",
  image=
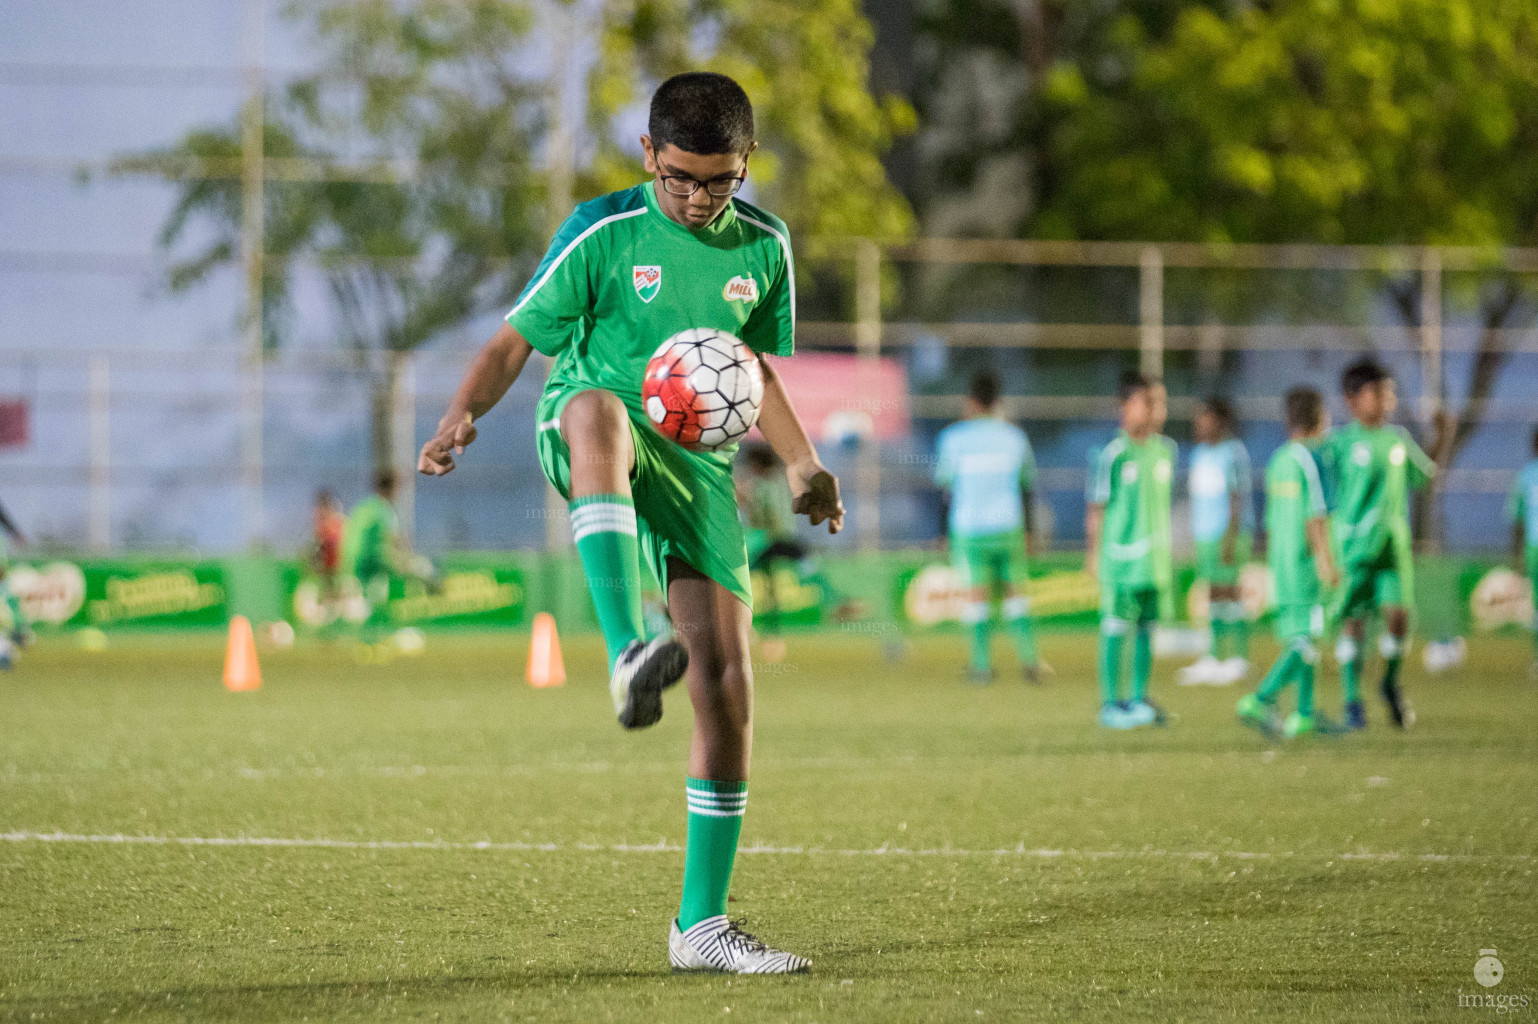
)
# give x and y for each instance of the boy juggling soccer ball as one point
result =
(1371, 465)
(1222, 524)
(1127, 527)
(626, 272)
(986, 465)
(1522, 510)
(1298, 552)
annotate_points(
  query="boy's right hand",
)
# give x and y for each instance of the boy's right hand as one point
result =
(452, 438)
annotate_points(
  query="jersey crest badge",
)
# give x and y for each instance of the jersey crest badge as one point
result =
(648, 282)
(741, 288)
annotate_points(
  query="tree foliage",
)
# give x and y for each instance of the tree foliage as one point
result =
(805, 65)
(1360, 121)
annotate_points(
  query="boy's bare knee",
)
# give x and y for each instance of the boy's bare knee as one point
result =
(594, 413)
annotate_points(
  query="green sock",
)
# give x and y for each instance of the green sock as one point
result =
(18, 620)
(979, 616)
(1017, 613)
(1280, 674)
(1142, 660)
(1306, 689)
(1112, 635)
(1218, 627)
(1390, 673)
(1348, 653)
(603, 526)
(715, 823)
(1239, 633)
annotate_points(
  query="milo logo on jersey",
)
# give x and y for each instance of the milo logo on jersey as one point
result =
(740, 289)
(648, 282)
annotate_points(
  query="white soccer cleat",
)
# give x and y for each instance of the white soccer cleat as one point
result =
(642, 672)
(716, 944)
(1231, 671)
(1202, 672)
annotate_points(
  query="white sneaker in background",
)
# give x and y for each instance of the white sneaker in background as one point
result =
(1200, 673)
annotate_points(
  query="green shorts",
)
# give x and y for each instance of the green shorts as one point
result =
(685, 504)
(1130, 603)
(1209, 561)
(1386, 581)
(1295, 620)
(990, 559)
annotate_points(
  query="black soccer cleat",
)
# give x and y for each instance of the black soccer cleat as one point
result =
(644, 669)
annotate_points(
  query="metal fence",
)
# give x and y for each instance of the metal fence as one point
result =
(144, 447)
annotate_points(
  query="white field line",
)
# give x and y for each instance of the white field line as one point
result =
(663, 846)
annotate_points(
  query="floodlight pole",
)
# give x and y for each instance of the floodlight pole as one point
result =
(867, 474)
(1431, 379)
(99, 532)
(252, 232)
(1150, 306)
(561, 174)
(403, 425)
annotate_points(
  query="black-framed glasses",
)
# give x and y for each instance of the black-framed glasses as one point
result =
(683, 185)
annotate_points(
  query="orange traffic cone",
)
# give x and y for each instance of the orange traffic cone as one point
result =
(545, 665)
(241, 672)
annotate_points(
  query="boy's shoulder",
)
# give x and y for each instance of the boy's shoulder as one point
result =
(761, 219)
(585, 214)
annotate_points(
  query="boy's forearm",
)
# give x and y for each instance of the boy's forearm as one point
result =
(1319, 541)
(780, 425)
(495, 368)
(1094, 518)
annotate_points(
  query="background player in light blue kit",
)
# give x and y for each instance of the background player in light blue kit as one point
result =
(1222, 524)
(987, 467)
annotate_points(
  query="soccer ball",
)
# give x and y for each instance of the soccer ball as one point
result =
(702, 389)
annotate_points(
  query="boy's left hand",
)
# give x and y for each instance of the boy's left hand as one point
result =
(814, 494)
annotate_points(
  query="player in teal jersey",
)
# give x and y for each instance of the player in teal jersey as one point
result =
(986, 466)
(1222, 524)
(1370, 466)
(21, 629)
(1298, 552)
(1522, 510)
(1127, 528)
(626, 272)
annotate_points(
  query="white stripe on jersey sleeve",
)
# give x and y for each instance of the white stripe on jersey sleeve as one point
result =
(568, 251)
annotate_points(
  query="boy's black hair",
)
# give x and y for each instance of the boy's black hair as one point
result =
(759, 456)
(984, 389)
(1304, 408)
(384, 481)
(701, 112)
(325, 497)
(1360, 374)
(1130, 384)
(1223, 410)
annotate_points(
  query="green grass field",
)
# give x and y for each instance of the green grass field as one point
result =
(943, 853)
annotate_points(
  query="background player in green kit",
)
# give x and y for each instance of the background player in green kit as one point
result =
(626, 272)
(1298, 552)
(1370, 466)
(987, 467)
(1127, 528)
(1522, 510)
(1222, 524)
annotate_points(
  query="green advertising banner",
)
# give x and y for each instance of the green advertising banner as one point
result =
(500, 590)
(463, 594)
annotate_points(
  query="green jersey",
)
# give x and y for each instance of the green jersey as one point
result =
(369, 537)
(621, 277)
(1370, 472)
(1131, 480)
(1294, 495)
(767, 508)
